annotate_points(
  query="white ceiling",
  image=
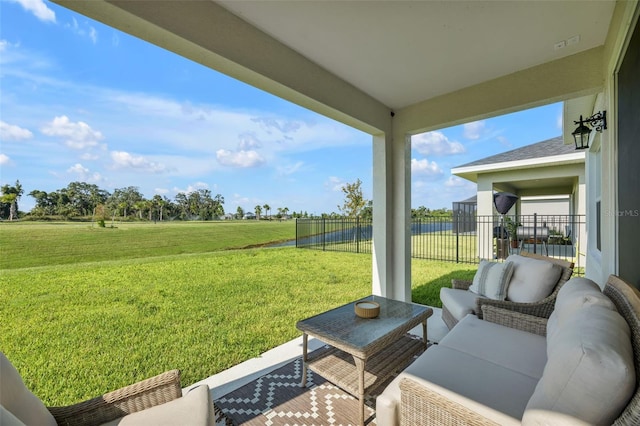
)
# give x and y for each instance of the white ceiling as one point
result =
(403, 52)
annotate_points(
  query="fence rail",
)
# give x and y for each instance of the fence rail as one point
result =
(463, 239)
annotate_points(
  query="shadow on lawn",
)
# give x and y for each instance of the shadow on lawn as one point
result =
(428, 292)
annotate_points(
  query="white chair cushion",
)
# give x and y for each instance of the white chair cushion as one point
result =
(589, 374)
(532, 280)
(491, 279)
(195, 408)
(18, 400)
(459, 303)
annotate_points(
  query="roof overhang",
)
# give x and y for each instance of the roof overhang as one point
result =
(471, 173)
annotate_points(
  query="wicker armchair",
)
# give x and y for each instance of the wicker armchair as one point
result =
(542, 308)
(157, 400)
(148, 393)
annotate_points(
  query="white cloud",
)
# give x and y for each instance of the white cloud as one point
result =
(39, 9)
(474, 129)
(457, 182)
(4, 160)
(85, 30)
(124, 160)
(93, 35)
(291, 169)
(425, 167)
(84, 173)
(192, 188)
(435, 143)
(161, 191)
(10, 132)
(242, 158)
(249, 141)
(334, 184)
(78, 169)
(76, 135)
(87, 156)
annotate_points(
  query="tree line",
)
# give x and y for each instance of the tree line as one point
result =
(83, 200)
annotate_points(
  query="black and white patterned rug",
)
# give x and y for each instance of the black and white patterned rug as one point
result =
(277, 399)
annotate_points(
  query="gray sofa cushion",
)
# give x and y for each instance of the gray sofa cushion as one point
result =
(17, 399)
(517, 350)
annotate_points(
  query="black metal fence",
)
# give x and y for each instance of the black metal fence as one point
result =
(463, 239)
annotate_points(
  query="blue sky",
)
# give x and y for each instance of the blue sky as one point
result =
(80, 101)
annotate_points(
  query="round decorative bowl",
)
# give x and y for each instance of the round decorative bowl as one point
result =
(367, 309)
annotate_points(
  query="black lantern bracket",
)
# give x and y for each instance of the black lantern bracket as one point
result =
(597, 121)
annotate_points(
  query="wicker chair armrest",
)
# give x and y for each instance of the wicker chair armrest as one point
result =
(542, 308)
(418, 405)
(460, 284)
(139, 396)
(517, 320)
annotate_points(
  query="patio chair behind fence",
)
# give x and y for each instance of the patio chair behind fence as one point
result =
(462, 239)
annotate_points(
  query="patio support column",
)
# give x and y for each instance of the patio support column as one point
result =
(391, 217)
(485, 209)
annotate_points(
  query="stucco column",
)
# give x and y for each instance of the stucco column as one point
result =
(485, 209)
(392, 217)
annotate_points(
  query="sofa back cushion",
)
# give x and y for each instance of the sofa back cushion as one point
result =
(532, 280)
(590, 373)
(492, 279)
(18, 400)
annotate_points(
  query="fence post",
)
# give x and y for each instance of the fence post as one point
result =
(296, 233)
(458, 240)
(323, 235)
(535, 232)
(357, 234)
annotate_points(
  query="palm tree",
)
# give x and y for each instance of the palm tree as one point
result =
(11, 195)
(266, 209)
(258, 210)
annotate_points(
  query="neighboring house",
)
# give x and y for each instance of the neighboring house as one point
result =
(396, 69)
(249, 216)
(227, 216)
(548, 177)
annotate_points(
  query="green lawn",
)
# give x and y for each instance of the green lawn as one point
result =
(37, 244)
(77, 330)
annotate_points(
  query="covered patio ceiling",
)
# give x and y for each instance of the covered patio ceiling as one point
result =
(356, 61)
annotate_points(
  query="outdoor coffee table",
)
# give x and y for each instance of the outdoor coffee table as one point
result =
(365, 352)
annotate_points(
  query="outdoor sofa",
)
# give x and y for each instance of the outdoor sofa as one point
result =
(577, 367)
(156, 401)
(531, 289)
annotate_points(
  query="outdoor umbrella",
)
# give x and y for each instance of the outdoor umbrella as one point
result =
(503, 202)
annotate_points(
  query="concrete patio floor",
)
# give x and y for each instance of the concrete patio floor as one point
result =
(237, 376)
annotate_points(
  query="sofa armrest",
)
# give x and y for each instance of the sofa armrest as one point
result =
(542, 308)
(139, 396)
(460, 284)
(417, 404)
(513, 319)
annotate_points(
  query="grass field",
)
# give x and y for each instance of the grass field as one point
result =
(29, 244)
(77, 330)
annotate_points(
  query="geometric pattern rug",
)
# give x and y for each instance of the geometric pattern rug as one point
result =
(277, 399)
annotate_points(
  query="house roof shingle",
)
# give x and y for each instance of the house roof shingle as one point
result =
(548, 148)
